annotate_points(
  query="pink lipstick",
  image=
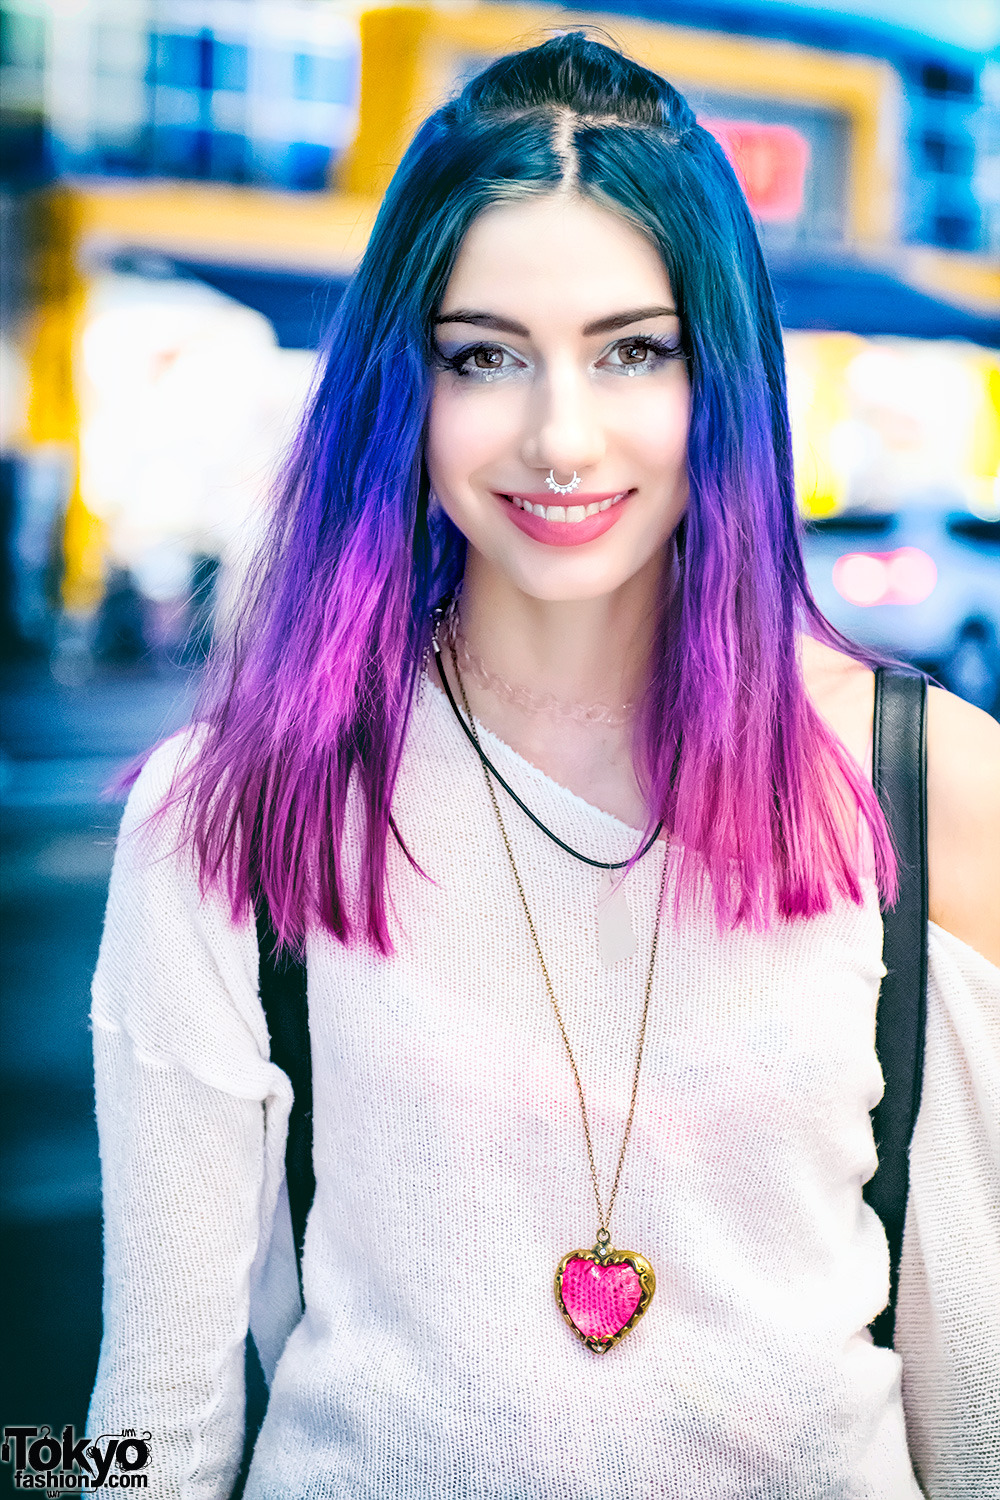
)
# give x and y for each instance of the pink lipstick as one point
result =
(581, 518)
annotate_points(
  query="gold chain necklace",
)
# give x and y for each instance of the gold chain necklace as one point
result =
(602, 1293)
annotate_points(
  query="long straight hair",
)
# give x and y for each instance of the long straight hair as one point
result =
(307, 708)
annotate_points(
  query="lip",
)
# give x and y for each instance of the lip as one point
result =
(564, 533)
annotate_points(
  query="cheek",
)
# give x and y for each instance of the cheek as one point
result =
(656, 428)
(467, 430)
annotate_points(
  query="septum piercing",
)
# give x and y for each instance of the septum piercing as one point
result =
(563, 489)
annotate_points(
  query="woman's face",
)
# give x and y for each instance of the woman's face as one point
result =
(559, 349)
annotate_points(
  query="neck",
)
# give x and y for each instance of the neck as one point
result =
(583, 651)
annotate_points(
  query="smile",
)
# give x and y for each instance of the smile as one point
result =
(565, 525)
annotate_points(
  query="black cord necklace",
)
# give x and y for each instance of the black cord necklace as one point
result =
(597, 864)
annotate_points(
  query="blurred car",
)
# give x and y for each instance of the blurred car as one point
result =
(921, 584)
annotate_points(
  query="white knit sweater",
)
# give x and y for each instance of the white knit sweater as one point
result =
(431, 1360)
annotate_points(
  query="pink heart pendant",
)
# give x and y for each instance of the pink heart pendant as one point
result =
(602, 1293)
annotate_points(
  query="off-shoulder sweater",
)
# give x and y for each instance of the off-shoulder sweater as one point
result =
(430, 1359)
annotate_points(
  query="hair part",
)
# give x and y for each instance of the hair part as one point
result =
(306, 712)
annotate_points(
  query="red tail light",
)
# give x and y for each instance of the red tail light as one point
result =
(906, 576)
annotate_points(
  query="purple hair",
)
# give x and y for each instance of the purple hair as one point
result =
(308, 707)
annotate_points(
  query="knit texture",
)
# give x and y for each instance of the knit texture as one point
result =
(452, 1177)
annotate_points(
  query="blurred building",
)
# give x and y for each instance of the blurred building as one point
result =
(248, 91)
(265, 91)
(190, 182)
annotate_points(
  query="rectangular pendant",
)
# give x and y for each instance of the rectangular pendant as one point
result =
(615, 933)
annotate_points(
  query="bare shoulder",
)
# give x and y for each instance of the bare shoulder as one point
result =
(963, 821)
(963, 789)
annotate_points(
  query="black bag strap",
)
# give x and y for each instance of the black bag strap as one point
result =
(899, 774)
(899, 768)
(286, 1010)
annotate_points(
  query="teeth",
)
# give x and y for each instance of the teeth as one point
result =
(570, 514)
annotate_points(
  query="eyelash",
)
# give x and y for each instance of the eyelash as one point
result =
(459, 361)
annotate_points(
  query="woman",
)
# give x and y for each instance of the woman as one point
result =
(552, 410)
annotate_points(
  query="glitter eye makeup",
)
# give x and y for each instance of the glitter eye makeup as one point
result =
(656, 352)
(479, 362)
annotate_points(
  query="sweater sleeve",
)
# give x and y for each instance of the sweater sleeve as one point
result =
(191, 1116)
(948, 1312)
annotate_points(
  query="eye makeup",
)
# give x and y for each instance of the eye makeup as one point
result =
(485, 362)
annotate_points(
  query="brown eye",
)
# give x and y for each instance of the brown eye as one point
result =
(488, 359)
(642, 355)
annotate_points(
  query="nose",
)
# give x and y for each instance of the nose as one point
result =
(563, 431)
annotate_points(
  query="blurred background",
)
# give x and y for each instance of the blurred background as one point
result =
(186, 187)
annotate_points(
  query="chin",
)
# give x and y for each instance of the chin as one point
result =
(565, 580)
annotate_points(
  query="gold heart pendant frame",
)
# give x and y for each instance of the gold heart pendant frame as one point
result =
(603, 1257)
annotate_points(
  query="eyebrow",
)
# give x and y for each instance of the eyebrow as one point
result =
(600, 325)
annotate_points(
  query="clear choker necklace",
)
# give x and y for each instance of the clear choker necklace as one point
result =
(531, 703)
